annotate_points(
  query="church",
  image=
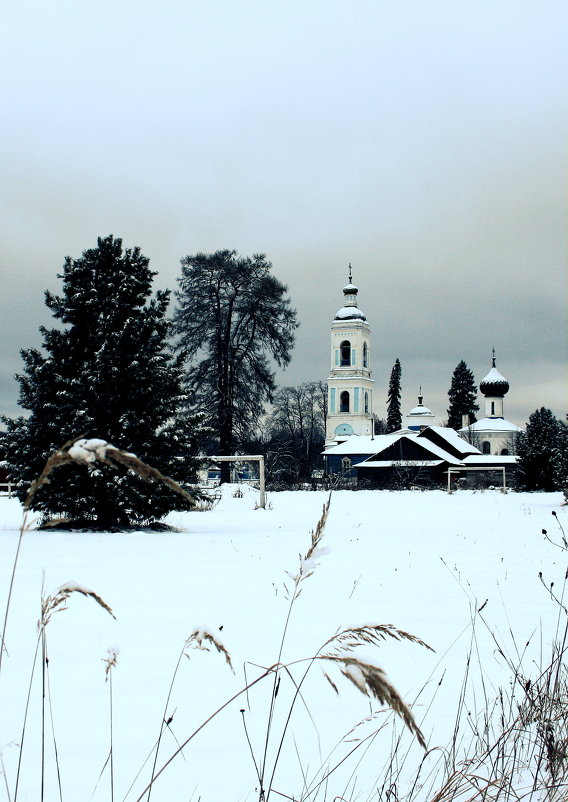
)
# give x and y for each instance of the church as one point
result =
(420, 454)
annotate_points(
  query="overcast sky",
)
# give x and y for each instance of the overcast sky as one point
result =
(424, 142)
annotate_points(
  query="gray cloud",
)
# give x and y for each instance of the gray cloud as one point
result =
(425, 144)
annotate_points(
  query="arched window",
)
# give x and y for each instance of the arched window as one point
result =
(365, 356)
(493, 407)
(346, 464)
(366, 403)
(504, 452)
(486, 447)
(344, 401)
(345, 353)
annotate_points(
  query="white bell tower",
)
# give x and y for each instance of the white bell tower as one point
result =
(350, 386)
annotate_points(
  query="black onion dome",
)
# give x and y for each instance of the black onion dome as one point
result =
(494, 383)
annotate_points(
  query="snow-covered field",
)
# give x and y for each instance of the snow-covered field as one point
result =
(423, 562)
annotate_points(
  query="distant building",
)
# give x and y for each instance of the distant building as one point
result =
(493, 434)
(350, 386)
(421, 453)
(419, 416)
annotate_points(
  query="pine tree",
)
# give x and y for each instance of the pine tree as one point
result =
(232, 316)
(394, 418)
(538, 452)
(462, 395)
(561, 459)
(107, 372)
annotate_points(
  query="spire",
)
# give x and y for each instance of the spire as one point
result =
(493, 356)
(349, 309)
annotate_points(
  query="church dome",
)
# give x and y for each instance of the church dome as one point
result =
(494, 383)
(420, 410)
(349, 310)
(350, 313)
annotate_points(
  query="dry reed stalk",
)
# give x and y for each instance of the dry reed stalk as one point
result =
(86, 452)
(110, 662)
(57, 602)
(306, 568)
(201, 636)
(372, 635)
(372, 681)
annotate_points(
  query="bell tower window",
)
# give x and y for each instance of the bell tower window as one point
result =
(344, 401)
(366, 405)
(345, 350)
(365, 355)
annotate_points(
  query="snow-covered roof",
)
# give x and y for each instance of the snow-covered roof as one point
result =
(492, 425)
(453, 438)
(401, 463)
(490, 459)
(421, 410)
(385, 441)
(494, 377)
(350, 313)
(438, 451)
(363, 444)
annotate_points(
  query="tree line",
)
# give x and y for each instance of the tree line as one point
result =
(169, 385)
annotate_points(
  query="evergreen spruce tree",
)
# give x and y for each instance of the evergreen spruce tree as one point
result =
(107, 372)
(561, 459)
(538, 449)
(462, 395)
(394, 418)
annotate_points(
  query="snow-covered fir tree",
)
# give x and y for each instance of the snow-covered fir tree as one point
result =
(394, 417)
(105, 371)
(462, 395)
(538, 450)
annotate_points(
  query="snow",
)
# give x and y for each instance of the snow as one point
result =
(424, 562)
(405, 463)
(489, 459)
(453, 438)
(363, 444)
(492, 424)
(88, 451)
(495, 377)
(349, 313)
(420, 410)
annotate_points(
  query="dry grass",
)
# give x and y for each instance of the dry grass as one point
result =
(86, 452)
(57, 602)
(198, 640)
(519, 747)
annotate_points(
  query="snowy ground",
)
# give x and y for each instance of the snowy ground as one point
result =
(420, 561)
